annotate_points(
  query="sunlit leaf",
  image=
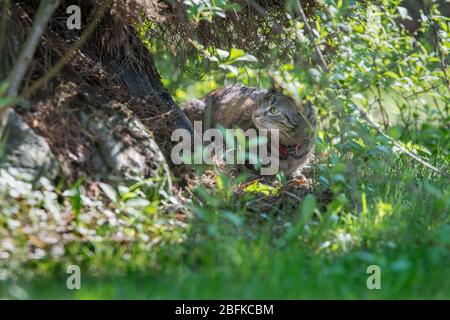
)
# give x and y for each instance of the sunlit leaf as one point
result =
(109, 191)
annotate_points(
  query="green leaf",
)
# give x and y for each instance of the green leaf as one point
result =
(8, 102)
(315, 74)
(403, 13)
(307, 207)
(236, 53)
(247, 57)
(109, 191)
(395, 132)
(391, 75)
(138, 202)
(3, 88)
(222, 53)
(219, 182)
(232, 217)
(359, 98)
(263, 188)
(231, 68)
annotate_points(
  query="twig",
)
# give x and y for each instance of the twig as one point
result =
(384, 115)
(292, 195)
(415, 94)
(308, 28)
(398, 144)
(435, 31)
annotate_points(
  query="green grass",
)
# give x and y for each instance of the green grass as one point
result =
(404, 229)
(283, 274)
(415, 272)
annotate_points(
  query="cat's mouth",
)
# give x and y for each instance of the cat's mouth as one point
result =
(259, 122)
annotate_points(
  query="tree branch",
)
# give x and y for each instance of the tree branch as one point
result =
(45, 11)
(308, 28)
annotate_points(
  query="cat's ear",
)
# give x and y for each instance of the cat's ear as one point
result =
(267, 96)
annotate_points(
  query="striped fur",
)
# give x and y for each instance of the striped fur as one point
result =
(246, 107)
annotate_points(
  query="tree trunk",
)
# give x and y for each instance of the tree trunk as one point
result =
(100, 114)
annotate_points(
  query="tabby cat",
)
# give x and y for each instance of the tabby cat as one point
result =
(244, 107)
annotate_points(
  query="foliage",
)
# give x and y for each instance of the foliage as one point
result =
(42, 223)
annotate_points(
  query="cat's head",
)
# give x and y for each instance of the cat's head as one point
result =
(296, 122)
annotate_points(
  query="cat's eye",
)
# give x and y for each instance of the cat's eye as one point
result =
(273, 110)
